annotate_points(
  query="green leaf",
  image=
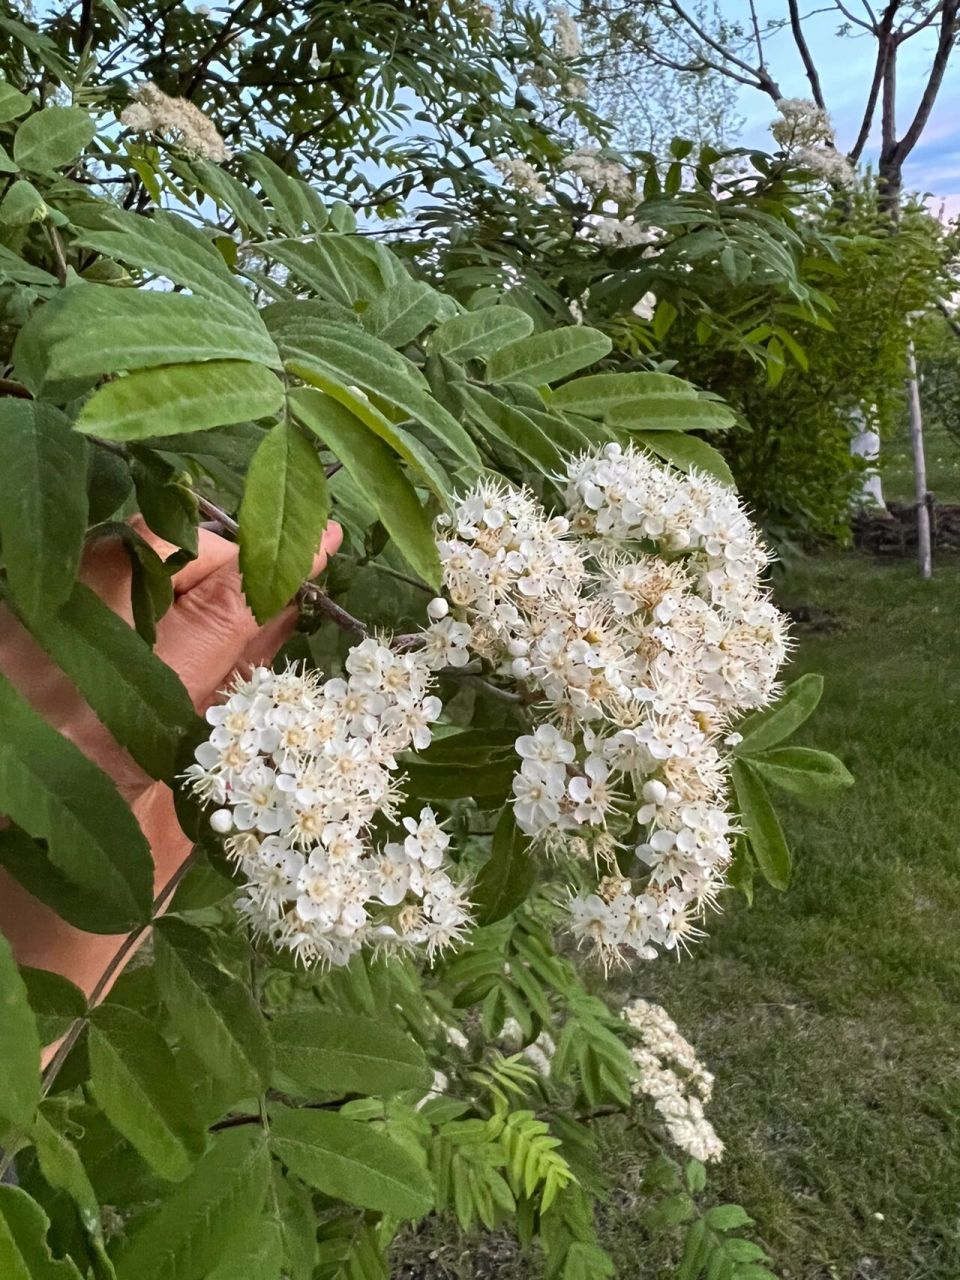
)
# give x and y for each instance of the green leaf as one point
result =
(350, 358)
(761, 824)
(337, 1053)
(19, 1045)
(50, 788)
(346, 269)
(282, 518)
(507, 876)
(599, 394)
(13, 103)
(24, 1251)
(378, 472)
(514, 428)
(256, 1253)
(55, 1001)
(43, 503)
(90, 330)
(63, 1169)
(211, 1011)
(479, 333)
(190, 1232)
(139, 698)
(764, 729)
(492, 779)
(167, 500)
(22, 204)
(51, 138)
(351, 1162)
(803, 771)
(726, 1217)
(134, 1078)
(403, 310)
(670, 413)
(182, 397)
(226, 191)
(163, 248)
(548, 357)
(688, 452)
(295, 204)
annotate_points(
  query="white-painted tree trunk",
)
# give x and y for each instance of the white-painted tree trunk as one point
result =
(924, 548)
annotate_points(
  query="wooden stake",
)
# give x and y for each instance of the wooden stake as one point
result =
(924, 548)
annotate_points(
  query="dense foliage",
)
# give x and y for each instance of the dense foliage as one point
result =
(252, 360)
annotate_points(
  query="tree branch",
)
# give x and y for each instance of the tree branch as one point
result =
(761, 78)
(803, 48)
(945, 43)
(883, 39)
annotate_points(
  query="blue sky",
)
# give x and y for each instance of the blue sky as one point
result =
(846, 67)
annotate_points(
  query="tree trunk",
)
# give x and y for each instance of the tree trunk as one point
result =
(924, 551)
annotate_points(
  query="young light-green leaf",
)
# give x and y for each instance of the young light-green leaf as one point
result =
(181, 397)
(378, 472)
(211, 1011)
(765, 729)
(140, 700)
(24, 1251)
(51, 790)
(19, 1046)
(352, 1162)
(134, 1078)
(507, 876)
(52, 138)
(479, 333)
(190, 1232)
(803, 770)
(334, 1052)
(548, 357)
(761, 824)
(43, 503)
(282, 517)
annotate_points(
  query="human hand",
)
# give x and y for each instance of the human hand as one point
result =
(207, 634)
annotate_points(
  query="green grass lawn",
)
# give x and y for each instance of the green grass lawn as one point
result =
(831, 1014)
(942, 452)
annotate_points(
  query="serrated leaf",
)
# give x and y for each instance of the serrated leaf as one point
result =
(403, 310)
(336, 1052)
(255, 1253)
(139, 698)
(765, 729)
(134, 1078)
(761, 824)
(670, 413)
(211, 1011)
(599, 394)
(687, 452)
(282, 518)
(226, 191)
(295, 203)
(343, 268)
(802, 770)
(351, 358)
(63, 1169)
(726, 1217)
(51, 138)
(548, 357)
(19, 1046)
(162, 248)
(506, 878)
(188, 1235)
(514, 428)
(50, 789)
(351, 1162)
(90, 330)
(379, 473)
(43, 503)
(479, 333)
(22, 204)
(55, 1001)
(13, 103)
(24, 1251)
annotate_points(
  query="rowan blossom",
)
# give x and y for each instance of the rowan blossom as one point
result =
(805, 133)
(153, 111)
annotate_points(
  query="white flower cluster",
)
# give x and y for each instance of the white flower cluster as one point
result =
(566, 35)
(600, 174)
(671, 1075)
(805, 133)
(637, 661)
(620, 232)
(153, 111)
(521, 175)
(302, 769)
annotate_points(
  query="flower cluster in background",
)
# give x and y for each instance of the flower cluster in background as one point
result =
(640, 627)
(302, 768)
(177, 119)
(805, 133)
(670, 1074)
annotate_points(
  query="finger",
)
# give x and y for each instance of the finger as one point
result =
(213, 552)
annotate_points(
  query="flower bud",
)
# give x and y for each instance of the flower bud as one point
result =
(518, 648)
(520, 668)
(222, 822)
(654, 792)
(437, 609)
